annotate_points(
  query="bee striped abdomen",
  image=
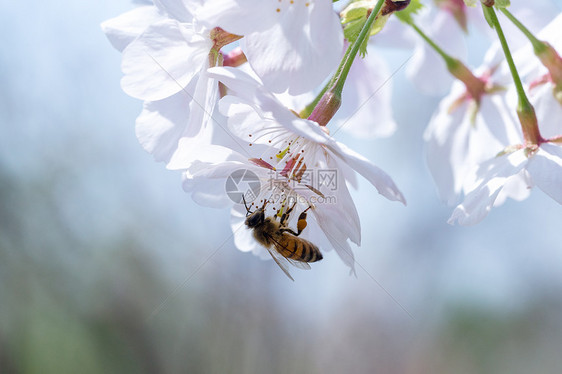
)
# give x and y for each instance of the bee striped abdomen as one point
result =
(288, 246)
(298, 249)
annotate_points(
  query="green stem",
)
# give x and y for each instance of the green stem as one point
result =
(538, 46)
(343, 70)
(307, 111)
(327, 102)
(310, 107)
(545, 52)
(432, 44)
(474, 85)
(525, 110)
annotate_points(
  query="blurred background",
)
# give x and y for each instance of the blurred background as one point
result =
(106, 265)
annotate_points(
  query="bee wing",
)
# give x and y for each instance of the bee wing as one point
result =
(279, 260)
(297, 264)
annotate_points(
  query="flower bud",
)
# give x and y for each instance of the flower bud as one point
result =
(529, 124)
(326, 108)
(552, 61)
(475, 86)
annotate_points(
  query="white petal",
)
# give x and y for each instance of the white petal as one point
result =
(207, 192)
(366, 109)
(334, 209)
(238, 17)
(456, 142)
(535, 16)
(478, 203)
(446, 147)
(338, 222)
(243, 236)
(190, 151)
(498, 116)
(545, 168)
(517, 187)
(395, 35)
(207, 182)
(550, 32)
(294, 102)
(378, 178)
(162, 61)
(307, 129)
(162, 123)
(181, 10)
(122, 30)
(300, 49)
(245, 121)
(202, 106)
(428, 73)
(427, 69)
(548, 110)
(338, 241)
(344, 211)
(237, 80)
(265, 104)
(349, 175)
(250, 90)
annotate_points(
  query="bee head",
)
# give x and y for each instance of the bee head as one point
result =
(256, 218)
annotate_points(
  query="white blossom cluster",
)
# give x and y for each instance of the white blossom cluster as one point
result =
(226, 84)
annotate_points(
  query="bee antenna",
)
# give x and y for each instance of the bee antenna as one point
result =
(246, 206)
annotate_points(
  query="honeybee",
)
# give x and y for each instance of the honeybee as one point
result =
(288, 247)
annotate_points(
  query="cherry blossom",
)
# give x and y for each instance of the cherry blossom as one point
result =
(122, 30)
(468, 127)
(426, 69)
(165, 57)
(446, 23)
(297, 146)
(541, 82)
(484, 143)
(520, 161)
(541, 167)
(207, 167)
(291, 44)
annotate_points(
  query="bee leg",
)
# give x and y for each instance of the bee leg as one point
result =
(285, 215)
(301, 223)
(286, 229)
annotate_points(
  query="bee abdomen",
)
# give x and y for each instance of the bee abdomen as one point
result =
(289, 248)
(312, 253)
(300, 250)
